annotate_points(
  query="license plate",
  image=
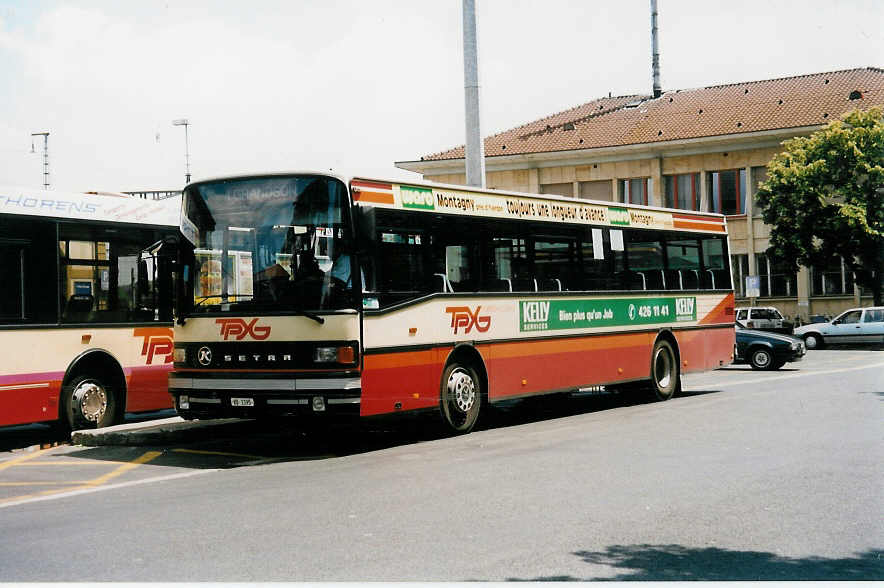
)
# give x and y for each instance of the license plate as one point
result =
(242, 402)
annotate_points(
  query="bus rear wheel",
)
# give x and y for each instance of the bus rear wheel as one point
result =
(665, 376)
(461, 398)
(89, 403)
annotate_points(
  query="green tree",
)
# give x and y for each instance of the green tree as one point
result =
(823, 197)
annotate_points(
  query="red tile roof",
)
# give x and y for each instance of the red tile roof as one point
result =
(766, 105)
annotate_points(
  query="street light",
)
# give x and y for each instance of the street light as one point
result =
(45, 136)
(183, 122)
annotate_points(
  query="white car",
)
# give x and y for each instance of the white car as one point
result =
(857, 325)
(763, 318)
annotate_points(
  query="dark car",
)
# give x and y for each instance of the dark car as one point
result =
(764, 350)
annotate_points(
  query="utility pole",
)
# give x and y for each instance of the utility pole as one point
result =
(183, 122)
(655, 52)
(474, 149)
(45, 135)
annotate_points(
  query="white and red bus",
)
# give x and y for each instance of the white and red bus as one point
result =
(83, 333)
(311, 293)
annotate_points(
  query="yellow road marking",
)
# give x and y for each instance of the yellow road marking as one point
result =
(20, 460)
(220, 453)
(79, 485)
(72, 483)
(62, 463)
(149, 456)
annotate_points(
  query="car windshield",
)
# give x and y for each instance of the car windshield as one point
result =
(269, 243)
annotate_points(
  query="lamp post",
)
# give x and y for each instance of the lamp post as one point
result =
(45, 135)
(183, 122)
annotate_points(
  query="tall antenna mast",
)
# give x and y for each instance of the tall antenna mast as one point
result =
(474, 149)
(655, 52)
(45, 135)
(183, 122)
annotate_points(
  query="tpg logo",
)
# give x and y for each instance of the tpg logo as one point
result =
(241, 329)
(685, 307)
(157, 342)
(462, 316)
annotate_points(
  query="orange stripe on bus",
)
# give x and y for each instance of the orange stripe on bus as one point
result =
(722, 313)
(376, 197)
(680, 224)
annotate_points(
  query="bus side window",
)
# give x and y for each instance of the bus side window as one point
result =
(683, 262)
(458, 268)
(716, 273)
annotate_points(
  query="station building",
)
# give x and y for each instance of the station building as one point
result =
(698, 149)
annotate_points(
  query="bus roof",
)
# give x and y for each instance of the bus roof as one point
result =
(98, 207)
(469, 201)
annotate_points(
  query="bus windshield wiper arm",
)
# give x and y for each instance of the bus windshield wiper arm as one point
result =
(309, 315)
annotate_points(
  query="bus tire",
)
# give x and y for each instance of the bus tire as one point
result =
(89, 403)
(665, 375)
(461, 397)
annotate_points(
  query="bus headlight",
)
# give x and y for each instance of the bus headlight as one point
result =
(344, 354)
(179, 355)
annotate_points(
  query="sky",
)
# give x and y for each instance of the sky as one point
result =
(353, 86)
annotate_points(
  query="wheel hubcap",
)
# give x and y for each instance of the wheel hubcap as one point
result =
(762, 358)
(462, 390)
(91, 401)
(810, 342)
(662, 368)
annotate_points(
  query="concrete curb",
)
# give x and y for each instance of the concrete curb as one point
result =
(159, 432)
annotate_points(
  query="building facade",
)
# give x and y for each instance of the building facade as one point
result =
(700, 149)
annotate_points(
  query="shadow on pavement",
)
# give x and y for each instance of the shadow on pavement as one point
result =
(677, 563)
(247, 442)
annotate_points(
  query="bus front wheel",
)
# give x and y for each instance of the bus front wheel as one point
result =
(89, 403)
(461, 397)
(665, 377)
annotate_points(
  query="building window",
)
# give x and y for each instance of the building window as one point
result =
(729, 191)
(597, 190)
(759, 175)
(831, 278)
(563, 189)
(739, 270)
(635, 190)
(776, 280)
(682, 191)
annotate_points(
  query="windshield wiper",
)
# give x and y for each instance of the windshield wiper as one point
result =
(309, 315)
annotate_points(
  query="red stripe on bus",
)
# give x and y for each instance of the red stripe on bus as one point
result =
(364, 184)
(29, 398)
(410, 380)
(148, 388)
(707, 219)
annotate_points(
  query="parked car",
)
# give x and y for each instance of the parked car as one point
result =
(764, 350)
(857, 325)
(764, 318)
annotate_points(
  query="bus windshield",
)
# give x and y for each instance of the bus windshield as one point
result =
(277, 243)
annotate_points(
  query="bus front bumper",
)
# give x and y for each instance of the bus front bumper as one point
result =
(222, 397)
